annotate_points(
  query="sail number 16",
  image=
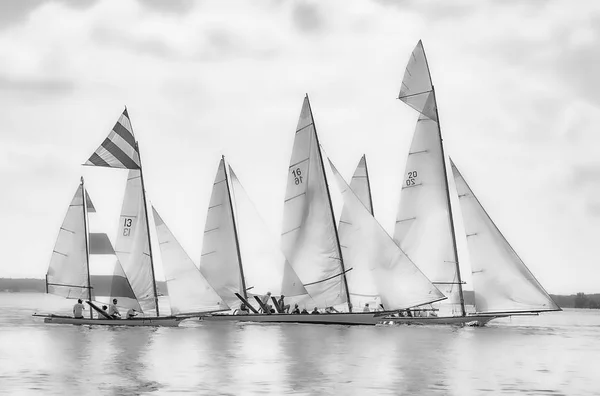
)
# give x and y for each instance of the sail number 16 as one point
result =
(411, 178)
(297, 174)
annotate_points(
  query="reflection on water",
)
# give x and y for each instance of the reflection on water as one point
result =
(550, 354)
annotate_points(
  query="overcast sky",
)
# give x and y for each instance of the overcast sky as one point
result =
(517, 86)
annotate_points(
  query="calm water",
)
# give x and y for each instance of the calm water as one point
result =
(547, 355)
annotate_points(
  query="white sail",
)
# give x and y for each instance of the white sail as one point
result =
(423, 228)
(189, 291)
(362, 290)
(67, 273)
(220, 262)
(309, 238)
(384, 268)
(501, 281)
(132, 246)
(265, 266)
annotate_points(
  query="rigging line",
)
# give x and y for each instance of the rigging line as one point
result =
(415, 94)
(326, 279)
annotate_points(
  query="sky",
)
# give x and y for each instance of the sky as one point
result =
(516, 85)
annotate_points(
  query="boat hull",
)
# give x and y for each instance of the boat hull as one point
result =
(343, 318)
(470, 320)
(167, 321)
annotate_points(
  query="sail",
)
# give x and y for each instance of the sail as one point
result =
(362, 291)
(423, 229)
(67, 273)
(309, 239)
(133, 245)
(501, 281)
(383, 267)
(265, 266)
(189, 291)
(220, 263)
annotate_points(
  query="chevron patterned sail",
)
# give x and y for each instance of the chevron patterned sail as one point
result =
(423, 226)
(220, 263)
(119, 149)
(68, 273)
(502, 282)
(385, 270)
(265, 266)
(133, 243)
(189, 291)
(309, 239)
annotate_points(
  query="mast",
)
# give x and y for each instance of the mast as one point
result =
(337, 238)
(369, 186)
(235, 233)
(87, 248)
(137, 148)
(460, 290)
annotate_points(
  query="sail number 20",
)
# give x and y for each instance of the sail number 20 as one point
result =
(411, 178)
(297, 174)
(127, 226)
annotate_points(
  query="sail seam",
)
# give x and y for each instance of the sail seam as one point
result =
(296, 196)
(299, 162)
(304, 127)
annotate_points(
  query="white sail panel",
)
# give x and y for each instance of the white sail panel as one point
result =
(417, 89)
(220, 263)
(384, 269)
(132, 246)
(265, 266)
(309, 238)
(502, 282)
(67, 273)
(189, 291)
(361, 186)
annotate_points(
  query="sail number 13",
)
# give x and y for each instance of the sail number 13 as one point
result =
(411, 178)
(127, 226)
(297, 174)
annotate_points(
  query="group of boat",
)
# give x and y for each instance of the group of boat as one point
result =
(318, 263)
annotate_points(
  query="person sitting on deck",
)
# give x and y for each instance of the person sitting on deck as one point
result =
(296, 310)
(304, 311)
(331, 310)
(78, 309)
(131, 313)
(315, 311)
(282, 305)
(366, 308)
(243, 310)
(113, 311)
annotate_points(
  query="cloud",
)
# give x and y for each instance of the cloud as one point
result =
(14, 12)
(307, 17)
(39, 86)
(172, 6)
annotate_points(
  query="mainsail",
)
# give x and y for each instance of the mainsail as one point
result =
(502, 282)
(68, 270)
(424, 227)
(384, 268)
(265, 267)
(220, 262)
(189, 291)
(132, 246)
(309, 236)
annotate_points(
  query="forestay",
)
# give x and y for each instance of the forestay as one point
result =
(220, 263)
(132, 245)
(309, 239)
(265, 266)
(386, 269)
(189, 291)
(423, 228)
(502, 282)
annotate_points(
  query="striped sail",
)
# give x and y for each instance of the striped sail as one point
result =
(220, 263)
(119, 149)
(386, 271)
(502, 282)
(423, 229)
(361, 291)
(189, 291)
(133, 244)
(309, 238)
(67, 274)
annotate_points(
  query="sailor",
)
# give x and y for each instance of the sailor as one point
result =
(366, 308)
(282, 305)
(331, 310)
(78, 309)
(265, 301)
(131, 313)
(296, 310)
(304, 311)
(315, 311)
(113, 310)
(243, 310)
(104, 308)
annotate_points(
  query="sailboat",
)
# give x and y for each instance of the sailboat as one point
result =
(310, 243)
(69, 272)
(425, 224)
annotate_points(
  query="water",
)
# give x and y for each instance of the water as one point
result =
(551, 354)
